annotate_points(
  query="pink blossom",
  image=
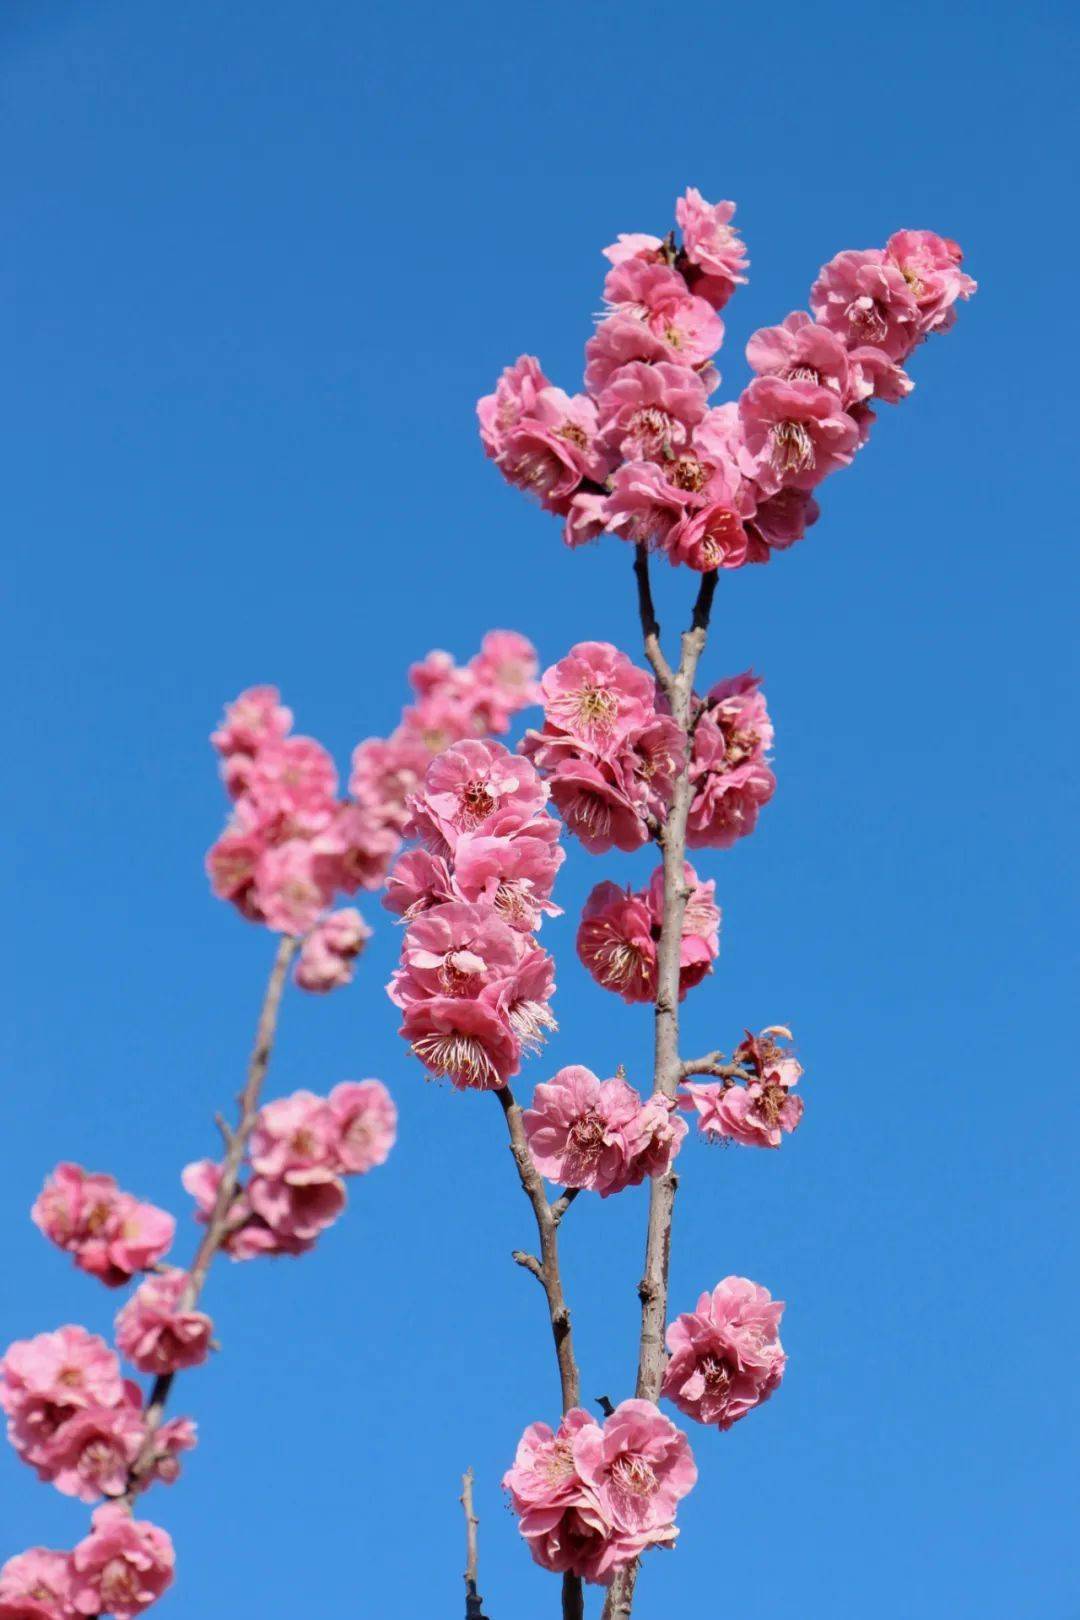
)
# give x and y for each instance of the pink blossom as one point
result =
(523, 997)
(596, 695)
(329, 951)
(617, 940)
(865, 298)
(799, 350)
(560, 1517)
(726, 1356)
(578, 1130)
(549, 451)
(586, 519)
(122, 1567)
(712, 245)
(515, 397)
(648, 412)
(366, 1121)
(757, 1113)
(728, 771)
(513, 874)
(645, 504)
(36, 1585)
(256, 717)
(506, 668)
(292, 886)
(91, 1453)
(159, 1334)
(796, 433)
(655, 1137)
(468, 1041)
(384, 774)
(779, 521)
(598, 805)
(930, 265)
(231, 865)
(475, 787)
(453, 950)
(700, 941)
(713, 537)
(634, 245)
(293, 1135)
(657, 295)
(293, 778)
(354, 849)
(172, 1439)
(44, 1379)
(295, 1208)
(617, 342)
(418, 881)
(639, 1465)
(109, 1234)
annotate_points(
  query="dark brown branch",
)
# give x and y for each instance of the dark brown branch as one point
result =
(650, 625)
(218, 1222)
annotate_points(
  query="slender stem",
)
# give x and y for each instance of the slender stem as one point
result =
(546, 1268)
(217, 1227)
(474, 1603)
(650, 625)
(546, 1271)
(668, 1068)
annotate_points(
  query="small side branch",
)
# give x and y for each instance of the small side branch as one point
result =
(474, 1603)
(218, 1223)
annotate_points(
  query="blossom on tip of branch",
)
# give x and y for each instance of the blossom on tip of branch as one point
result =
(759, 1112)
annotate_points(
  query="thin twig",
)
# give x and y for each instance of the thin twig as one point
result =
(650, 625)
(546, 1271)
(218, 1223)
(474, 1603)
(563, 1202)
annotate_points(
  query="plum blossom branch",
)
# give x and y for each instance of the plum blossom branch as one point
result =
(650, 625)
(474, 1603)
(668, 1067)
(546, 1271)
(218, 1224)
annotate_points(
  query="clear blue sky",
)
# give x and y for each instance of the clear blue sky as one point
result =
(260, 259)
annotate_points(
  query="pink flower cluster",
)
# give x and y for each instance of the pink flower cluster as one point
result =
(598, 1134)
(301, 1149)
(609, 752)
(643, 454)
(758, 1112)
(76, 1421)
(591, 1498)
(473, 983)
(607, 749)
(122, 1567)
(620, 931)
(292, 843)
(109, 1233)
(730, 778)
(726, 1356)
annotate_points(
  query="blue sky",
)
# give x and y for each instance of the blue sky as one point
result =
(260, 260)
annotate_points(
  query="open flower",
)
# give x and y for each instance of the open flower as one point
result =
(157, 1333)
(726, 1356)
